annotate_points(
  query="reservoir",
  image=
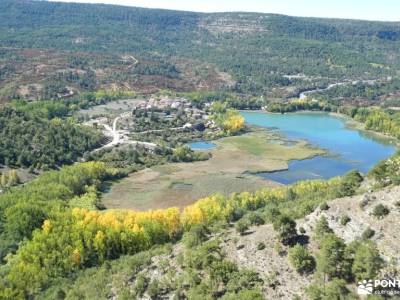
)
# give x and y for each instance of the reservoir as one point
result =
(348, 148)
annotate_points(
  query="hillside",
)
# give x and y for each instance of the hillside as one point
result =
(260, 52)
(257, 259)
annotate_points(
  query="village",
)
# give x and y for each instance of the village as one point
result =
(157, 120)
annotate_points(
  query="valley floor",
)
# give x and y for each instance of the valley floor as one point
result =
(231, 169)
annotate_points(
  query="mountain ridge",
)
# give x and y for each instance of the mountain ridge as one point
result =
(258, 50)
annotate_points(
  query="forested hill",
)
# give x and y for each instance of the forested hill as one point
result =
(154, 29)
(257, 50)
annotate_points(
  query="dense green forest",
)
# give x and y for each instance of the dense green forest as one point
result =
(386, 92)
(24, 208)
(45, 135)
(257, 50)
(35, 141)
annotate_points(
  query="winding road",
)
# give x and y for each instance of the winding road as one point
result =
(305, 94)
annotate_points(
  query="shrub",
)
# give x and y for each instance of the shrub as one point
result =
(141, 285)
(272, 214)
(286, 228)
(380, 211)
(368, 233)
(331, 259)
(244, 295)
(260, 246)
(242, 226)
(272, 279)
(203, 256)
(322, 228)
(367, 261)
(223, 271)
(278, 248)
(154, 289)
(236, 214)
(290, 194)
(386, 172)
(183, 153)
(344, 220)
(336, 289)
(244, 279)
(255, 218)
(302, 230)
(324, 206)
(197, 234)
(349, 184)
(301, 259)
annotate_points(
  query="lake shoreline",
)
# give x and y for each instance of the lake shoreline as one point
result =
(356, 125)
(350, 123)
(356, 148)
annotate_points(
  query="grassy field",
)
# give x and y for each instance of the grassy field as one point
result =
(271, 149)
(229, 170)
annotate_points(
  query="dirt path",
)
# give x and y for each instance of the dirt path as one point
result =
(117, 138)
(134, 60)
(113, 132)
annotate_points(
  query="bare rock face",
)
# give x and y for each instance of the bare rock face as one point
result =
(271, 262)
(360, 211)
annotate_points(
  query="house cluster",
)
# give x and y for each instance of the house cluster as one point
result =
(164, 102)
(165, 108)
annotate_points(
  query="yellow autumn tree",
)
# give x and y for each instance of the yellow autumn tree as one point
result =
(46, 226)
(234, 123)
(99, 244)
(76, 257)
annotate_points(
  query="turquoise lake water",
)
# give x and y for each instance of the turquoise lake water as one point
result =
(350, 149)
(201, 145)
